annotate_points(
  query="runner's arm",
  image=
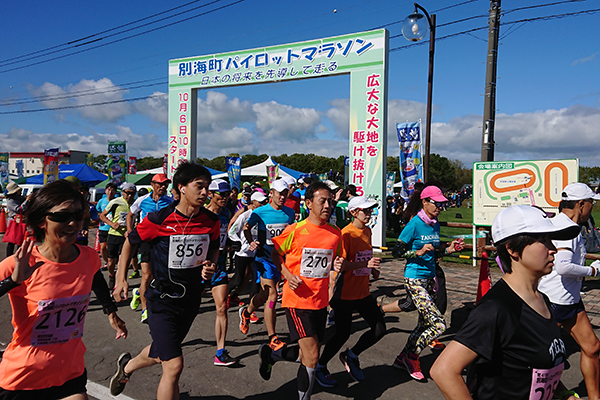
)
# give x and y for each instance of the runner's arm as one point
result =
(447, 370)
(121, 285)
(104, 217)
(130, 219)
(564, 265)
(293, 280)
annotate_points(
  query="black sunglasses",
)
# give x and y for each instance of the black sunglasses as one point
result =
(65, 216)
(438, 204)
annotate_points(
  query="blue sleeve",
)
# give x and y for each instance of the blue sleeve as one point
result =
(254, 219)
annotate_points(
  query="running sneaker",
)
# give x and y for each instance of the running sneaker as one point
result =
(244, 321)
(324, 378)
(225, 360)
(276, 344)
(352, 365)
(135, 299)
(266, 361)
(120, 378)
(254, 318)
(235, 300)
(144, 318)
(411, 364)
(437, 345)
(104, 268)
(134, 274)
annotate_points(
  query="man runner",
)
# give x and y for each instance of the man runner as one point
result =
(271, 220)
(305, 253)
(185, 247)
(110, 192)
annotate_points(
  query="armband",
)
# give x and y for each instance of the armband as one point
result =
(6, 285)
(566, 394)
(400, 251)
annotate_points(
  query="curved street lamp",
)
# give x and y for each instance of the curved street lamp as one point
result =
(414, 28)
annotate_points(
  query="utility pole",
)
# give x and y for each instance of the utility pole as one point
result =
(489, 107)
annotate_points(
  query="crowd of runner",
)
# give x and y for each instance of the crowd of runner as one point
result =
(304, 246)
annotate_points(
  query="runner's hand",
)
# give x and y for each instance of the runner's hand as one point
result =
(374, 263)
(253, 246)
(376, 273)
(338, 264)
(120, 291)
(22, 270)
(118, 325)
(208, 269)
(425, 249)
(294, 281)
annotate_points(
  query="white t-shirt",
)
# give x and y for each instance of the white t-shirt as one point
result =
(236, 233)
(563, 284)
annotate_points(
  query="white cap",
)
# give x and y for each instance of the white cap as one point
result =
(360, 202)
(331, 184)
(289, 180)
(523, 220)
(128, 186)
(219, 185)
(579, 191)
(280, 185)
(300, 181)
(258, 196)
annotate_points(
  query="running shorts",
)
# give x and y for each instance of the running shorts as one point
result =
(305, 323)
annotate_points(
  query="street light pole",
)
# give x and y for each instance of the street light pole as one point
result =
(413, 32)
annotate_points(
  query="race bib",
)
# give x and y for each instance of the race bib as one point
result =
(274, 230)
(364, 255)
(544, 382)
(59, 320)
(187, 251)
(223, 237)
(122, 218)
(316, 263)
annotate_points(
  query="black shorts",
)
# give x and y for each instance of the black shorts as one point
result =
(564, 313)
(69, 388)
(114, 245)
(170, 321)
(144, 250)
(305, 323)
(102, 236)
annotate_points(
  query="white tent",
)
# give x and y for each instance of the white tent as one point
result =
(261, 170)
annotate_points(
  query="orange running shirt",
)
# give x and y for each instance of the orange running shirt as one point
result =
(48, 315)
(309, 252)
(356, 246)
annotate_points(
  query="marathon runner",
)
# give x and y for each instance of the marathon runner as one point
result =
(151, 202)
(110, 192)
(271, 220)
(185, 247)
(305, 253)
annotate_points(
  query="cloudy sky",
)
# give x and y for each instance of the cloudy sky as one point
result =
(78, 74)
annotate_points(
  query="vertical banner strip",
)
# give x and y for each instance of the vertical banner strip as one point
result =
(50, 165)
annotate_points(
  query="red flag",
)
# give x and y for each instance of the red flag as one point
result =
(485, 279)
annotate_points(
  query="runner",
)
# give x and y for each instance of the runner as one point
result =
(292, 201)
(563, 284)
(110, 192)
(45, 358)
(351, 293)
(118, 207)
(305, 253)
(151, 202)
(271, 220)
(219, 195)
(511, 338)
(185, 247)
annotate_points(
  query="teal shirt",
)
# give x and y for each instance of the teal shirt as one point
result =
(417, 234)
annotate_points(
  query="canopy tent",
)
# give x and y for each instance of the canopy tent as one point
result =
(159, 170)
(136, 179)
(83, 172)
(261, 170)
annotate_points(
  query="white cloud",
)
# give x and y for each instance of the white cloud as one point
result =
(279, 121)
(584, 59)
(155, 107)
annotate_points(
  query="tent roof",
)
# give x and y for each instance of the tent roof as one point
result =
(136, 179)
(261, 170)
(159, 170)
(83, 172)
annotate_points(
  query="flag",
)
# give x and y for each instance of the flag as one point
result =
(117, 162)
(234, 170)
(389, 183)
(272, 172)
(132, 165)
(50, 165)
(411, 165)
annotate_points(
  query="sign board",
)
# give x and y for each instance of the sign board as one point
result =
(363, 55)
(501, 184)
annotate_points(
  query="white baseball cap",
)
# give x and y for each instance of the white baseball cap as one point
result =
(331, 184)
(258, 196)
(360, 202)
(219, 185)
(289, 180)
(523, 220)
(579, 191)
(280, 185)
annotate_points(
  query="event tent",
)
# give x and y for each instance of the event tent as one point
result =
(83, 172)
(261, 170)
(136, 179)
(159, 170)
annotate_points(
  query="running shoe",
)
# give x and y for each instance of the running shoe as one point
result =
(266, 362)
(104, 268)
(135, 299)
(254, 318)
(276, 344)
(411, 364)
(352, 365)
(144, 318)
(324, 378)
(235, 300)
(225, 360)
(244, 321)
(120, 378)
(437, 345)
(134, 274)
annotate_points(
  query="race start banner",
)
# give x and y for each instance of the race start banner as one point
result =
(362, 55)
(234, 171)
(501, 184)
(411, 164)
(117, 162)
(4, 175)
(132, 165)
(50, 165)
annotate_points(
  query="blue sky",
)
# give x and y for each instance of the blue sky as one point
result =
(548, 92)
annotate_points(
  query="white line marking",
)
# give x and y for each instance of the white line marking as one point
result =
(103, 393)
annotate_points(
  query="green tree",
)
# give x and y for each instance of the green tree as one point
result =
(441, 171)
(145, 163)
(99, 163)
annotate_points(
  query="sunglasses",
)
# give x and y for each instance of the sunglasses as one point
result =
(437, 203)
(65, 216)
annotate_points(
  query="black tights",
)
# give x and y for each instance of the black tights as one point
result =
(241, 265)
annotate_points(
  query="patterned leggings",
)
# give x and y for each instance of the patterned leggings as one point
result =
(431, 322)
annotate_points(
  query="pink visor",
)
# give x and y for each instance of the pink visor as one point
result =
(434, 193)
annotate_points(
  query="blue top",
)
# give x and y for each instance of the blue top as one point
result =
(100, 207)
(417, 234)
(271, 223)
(146, 204)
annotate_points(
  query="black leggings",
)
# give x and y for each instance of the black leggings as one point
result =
(241, 265)
(369, 310)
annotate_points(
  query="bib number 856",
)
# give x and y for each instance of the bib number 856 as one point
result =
(187, 250)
